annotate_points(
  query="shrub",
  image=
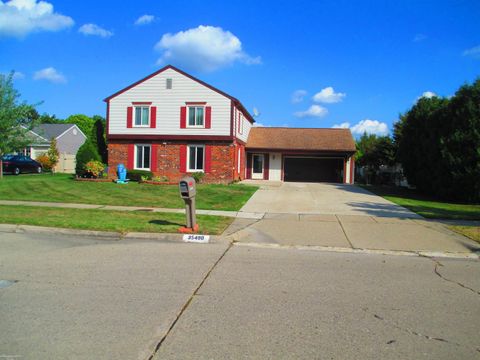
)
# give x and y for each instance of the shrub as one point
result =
(136, 175)
(161, 178)
(95, 168)
(53, 155)
(44, 160)
(86, 153)
(198, 176)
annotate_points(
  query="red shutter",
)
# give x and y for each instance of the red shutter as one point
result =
(266, 166)
(130, 156)
(153, 117)
(183, 158)
(129, 116)
(183, 117)
(153, 158)
(249, 166)
(208, 159)
(208, 117)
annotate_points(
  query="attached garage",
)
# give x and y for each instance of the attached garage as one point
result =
(313, 169)
(303, 155)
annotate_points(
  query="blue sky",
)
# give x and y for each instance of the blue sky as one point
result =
(299, 63)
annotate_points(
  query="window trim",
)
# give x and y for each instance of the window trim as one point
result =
(240, 123)
(141, 105)
(135, 157)
(189, 169)
(195, 106)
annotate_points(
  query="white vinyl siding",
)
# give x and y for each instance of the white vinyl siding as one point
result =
(168, 103)
(245, 124)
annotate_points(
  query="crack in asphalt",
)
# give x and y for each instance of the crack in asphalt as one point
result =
(413, 332)
(187, 303)
(437, 272)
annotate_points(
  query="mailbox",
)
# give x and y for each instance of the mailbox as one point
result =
(187, 187)
(187, 193)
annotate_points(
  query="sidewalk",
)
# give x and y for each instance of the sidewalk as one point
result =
(235, 214)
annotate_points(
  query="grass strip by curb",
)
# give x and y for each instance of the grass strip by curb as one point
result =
(103, 220)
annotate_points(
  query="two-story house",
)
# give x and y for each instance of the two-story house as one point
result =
(172, 124)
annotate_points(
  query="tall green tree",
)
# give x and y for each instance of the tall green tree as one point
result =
(439, 145)
(16, 119)
(98, 137)
(84, 122)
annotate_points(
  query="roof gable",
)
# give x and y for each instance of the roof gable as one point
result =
(233, 99)
(49, 131)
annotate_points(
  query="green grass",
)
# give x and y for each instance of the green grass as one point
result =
(472, 232)
(63, 188)
(426, 206)
(103, 220)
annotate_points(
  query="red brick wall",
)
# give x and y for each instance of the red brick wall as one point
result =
(168, 160)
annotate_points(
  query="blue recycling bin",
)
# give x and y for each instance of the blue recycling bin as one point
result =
(122, 173)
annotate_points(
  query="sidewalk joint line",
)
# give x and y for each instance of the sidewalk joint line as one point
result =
(344, 232)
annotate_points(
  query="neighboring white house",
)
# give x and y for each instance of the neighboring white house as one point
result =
(69, 139)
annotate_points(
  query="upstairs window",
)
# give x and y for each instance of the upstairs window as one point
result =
(142, 116)
(196, 116)
(169, 83)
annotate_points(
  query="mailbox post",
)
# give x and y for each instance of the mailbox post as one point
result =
(187, 193)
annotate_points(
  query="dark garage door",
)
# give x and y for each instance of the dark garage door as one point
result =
(313, 169)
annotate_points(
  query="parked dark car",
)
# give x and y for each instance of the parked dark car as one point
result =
(17, 164)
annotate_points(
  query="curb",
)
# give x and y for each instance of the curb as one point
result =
(419, 253)
(102, 235)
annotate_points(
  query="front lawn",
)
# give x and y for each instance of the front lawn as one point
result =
(63, 188)
(103, 220)
(425, 206)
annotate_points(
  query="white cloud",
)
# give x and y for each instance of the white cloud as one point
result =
(205, 48)
(298, 96)
(144, 19)
(474, 52)
(313, 111)
(95, 30)
(18, 18)
(50, 74)
(420, 37)
(328, 96)
(370, 127)
(344, 125)
(426, 94)
(257, 124)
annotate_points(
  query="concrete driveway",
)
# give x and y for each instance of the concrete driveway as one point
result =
(321, 198)
(340, 216)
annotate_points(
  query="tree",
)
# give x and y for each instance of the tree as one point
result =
(374, 151)
(53, 154)
(98, 137)
(87, 152)
(49, 119)
(439, 145)
(84, 123)
(16, 119)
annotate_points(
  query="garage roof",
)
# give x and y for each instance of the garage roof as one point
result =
(307, 139)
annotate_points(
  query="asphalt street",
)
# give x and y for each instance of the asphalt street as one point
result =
(80, 298)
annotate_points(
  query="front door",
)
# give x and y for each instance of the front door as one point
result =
(257, 170)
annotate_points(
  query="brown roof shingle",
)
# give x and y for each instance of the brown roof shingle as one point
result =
(308, 139)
